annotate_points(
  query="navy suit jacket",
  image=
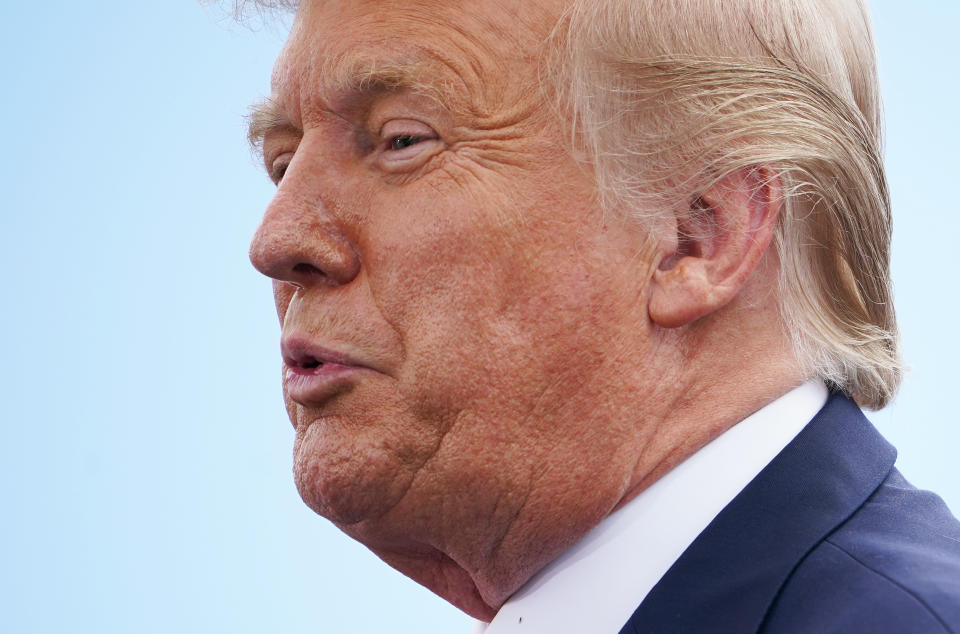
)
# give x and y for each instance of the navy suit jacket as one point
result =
(829, 537)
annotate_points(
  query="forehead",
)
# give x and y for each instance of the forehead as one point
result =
(475, 49)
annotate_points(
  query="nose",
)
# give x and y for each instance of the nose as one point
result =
(298, 241)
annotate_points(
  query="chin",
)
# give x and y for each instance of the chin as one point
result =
(347, 482)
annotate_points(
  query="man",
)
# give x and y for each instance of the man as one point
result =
(563, 287)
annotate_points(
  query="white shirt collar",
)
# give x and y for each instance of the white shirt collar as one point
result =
(597, 584)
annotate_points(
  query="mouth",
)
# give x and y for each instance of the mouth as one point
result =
(313, 375)
(307, 364)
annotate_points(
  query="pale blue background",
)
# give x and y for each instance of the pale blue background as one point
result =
(144, 452)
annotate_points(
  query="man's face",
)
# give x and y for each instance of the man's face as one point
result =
(458, 315)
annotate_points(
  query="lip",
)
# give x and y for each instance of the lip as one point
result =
(313, 374)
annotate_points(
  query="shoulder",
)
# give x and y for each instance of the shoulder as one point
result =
(892, 567)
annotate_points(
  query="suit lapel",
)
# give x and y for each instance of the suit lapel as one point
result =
(730, 575)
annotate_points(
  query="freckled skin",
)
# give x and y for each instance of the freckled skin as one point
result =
(519, 390)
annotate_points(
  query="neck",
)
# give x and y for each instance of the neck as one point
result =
(730, 364)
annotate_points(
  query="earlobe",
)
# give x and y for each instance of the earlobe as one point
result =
(720, 239)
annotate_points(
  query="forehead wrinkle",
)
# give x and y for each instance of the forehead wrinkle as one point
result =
(480, 49)
(459, 62)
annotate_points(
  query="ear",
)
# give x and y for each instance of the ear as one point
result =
(719, 241)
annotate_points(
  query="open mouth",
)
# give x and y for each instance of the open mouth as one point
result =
(314, 374)
(305, 364)
(301, 357)
(309, 364)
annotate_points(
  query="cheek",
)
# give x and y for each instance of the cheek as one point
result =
(509, 350)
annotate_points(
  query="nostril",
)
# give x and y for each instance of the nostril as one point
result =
(304, 268)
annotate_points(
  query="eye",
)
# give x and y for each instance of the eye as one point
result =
(278, 168)
(406, 143)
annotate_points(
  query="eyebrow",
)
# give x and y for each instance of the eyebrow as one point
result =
(354, 81)
(265, 117)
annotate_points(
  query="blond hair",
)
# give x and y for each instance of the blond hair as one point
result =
(669, 97)
(666, 98)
